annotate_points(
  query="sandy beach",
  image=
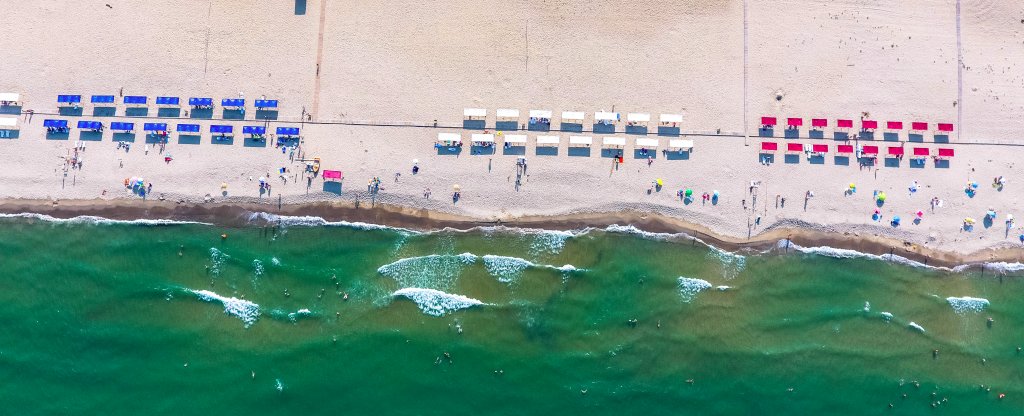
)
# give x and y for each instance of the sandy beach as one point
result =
(371, 91)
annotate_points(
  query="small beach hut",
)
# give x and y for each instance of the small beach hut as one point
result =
(868, 125)
(818, 123)
(647, 143)
(945, 127)
(474, 113)
(201, 102)
(673, 119)
(482, 139)
(918, 126)
(507, 114)
(680, 145)
(573, 117)
(769, 147)
(9, 99)
(605, 117)
(921, 153)
(540, 116)
(68, 100)
(894, 125)
(945, 153)
(515, 140)
(767, 122)
(580, 141)
(614, 142)
(819, 149)
(449, 139)
(8, 123)
(844, 124)
(135, 100)
(168, 101)
(870, 151)
(894, 152)
(844, 149)
(794, 147)
(793, 123)
(265, 104)
(638, 119)
(548, 141)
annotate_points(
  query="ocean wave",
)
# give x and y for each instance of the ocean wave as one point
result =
(243, 309)
(915, 326)
(89, 219)
(1004, 267)
(732, 263)
(886, 315)
(629, 229)
(217, 259)
(433, 271)
(292, 316)
(690, 287)
(967, 304)
(313, 221)
(435, 302)
(507, 269)
(257, 268)
(841, 253)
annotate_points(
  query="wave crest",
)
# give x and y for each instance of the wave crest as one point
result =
(690, 287)
(435, 302)
(966, 304)
(243, 309)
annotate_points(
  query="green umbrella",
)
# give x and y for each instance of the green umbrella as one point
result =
(881, 196)
(689, 192)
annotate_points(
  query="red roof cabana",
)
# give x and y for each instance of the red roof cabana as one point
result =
(919, 125)
(819, 122)
(946, 127)
(868, 124)
(794, 121)
(895, 150)
(844, 148)
(332, 174)
(819, 148)
(894, 125)
(794, 147)
(769, 146)
(870, 150)
(921, 152)
(768, 121)
(846, 124)
(945, 152)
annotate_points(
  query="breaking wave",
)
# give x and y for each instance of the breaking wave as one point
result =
(432, 271)
(312, 221)
(243, 309)
(89, 219)
(967, 304)
(435, 302)
(690, 287)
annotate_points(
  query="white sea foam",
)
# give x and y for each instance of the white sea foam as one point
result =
(886, 315)
(217, 259)
(723, 288)
(89, 219)
(275, 261)
(435, 302)
(732, 263)
(690, 287)
(967, 304)
(435, 270)
(547, 241)
(914, 325)
(257, 268)
(1004, 267)
(313, 221)
(301, 313)
(245, 310)
(841, 253)
(629, 229)
(867, 306)
(506, 269)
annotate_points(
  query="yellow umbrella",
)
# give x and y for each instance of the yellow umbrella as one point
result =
(852, 185)
(969, 220)
(223, 185)
(660, 183)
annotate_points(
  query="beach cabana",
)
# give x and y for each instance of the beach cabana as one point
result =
(605, 117)
(794, 147)
(333, 174)
(55, 124)
(9, 98)
(945, 127)
(135, 100)
(844, 124)
(449, 139)
(122, 126)
(10, 123)
(548, 141)
(154, 127)
(844, 149)
(288, 131)
(769, 147)
(919, 126)
(672, 119)
(254, 131)
(233, 103)
(868, 125)
(575, 117)
(482, 139)
(638, 118)
(794, 122)
(894, 125)
(507, 114)
(264, 104)
(869, 151)
(945, 153)
(200, 102)
(168, 101)
(187, 128)
(515, 139)
(767, 122)
(819, 149)
(921, 153)
(894, 152)
(819, 123)
(680, 145)
(100, 100)
(580, 141)
(613, 142)
(647, 143)
(68, 100)
(471, 113)
(540, 116)
(222, 129)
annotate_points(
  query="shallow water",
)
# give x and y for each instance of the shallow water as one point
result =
(109, 319)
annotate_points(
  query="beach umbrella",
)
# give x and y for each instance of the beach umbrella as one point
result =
(689, 192)
(1009, 217)
(223, 185)
(920, 214)
(456, 188)
(881, 196)
(853, 185)
(896, 219)
(659, 182)
(991, 213)
(714, 194)
(969, 220)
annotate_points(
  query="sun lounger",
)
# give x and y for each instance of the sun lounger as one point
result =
(201, 102)
(122, 126)
(232, 102)
(548, 141)
(188, 128)
(287, 131)
(168, 101)
(135, 100)
(265, 104)
(102, 99)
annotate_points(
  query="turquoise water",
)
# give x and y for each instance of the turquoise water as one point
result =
(111, 319)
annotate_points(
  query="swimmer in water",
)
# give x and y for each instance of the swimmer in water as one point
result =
(253, 374)
(345, 296)
(180, 248)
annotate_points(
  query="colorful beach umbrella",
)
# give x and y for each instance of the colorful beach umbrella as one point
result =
(659, 182)
(881, 196)
(689, 192)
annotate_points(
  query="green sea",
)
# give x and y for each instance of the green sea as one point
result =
(121, 318)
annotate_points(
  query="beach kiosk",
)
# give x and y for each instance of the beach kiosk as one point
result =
(613, 142)
(449, 139)
(680, 145)
(580, 141)
(648, 144)
(548, 141)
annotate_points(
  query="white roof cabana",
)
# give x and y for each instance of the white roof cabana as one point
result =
(8, 123)
(670, 118)
(474, 112)
(548, 141)
(606, 116)
(10, 97)
(680, 144)
(482, 138)
(541, 114)
(638, 117)
(573, 116)
(516, 139)
(614, 142)
(580, 141)
(449, 138)
(647, 143)
(507, 114)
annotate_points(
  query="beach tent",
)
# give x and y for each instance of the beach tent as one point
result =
(188, 128)
(844, 149)
(479, 139)
(819, 123)
(670, 118)
(9, 98)
(870, 151)
(919, 126)
(680, 145)
(638, 118)
(234, 103)
(614, 142)
(540, 114)
(921, 152)
(55, 124)
(844, 124)
(332, 174)
(154, 126)
(945, 153)
(793, 122)
(135, 100)
(895, 152)
(819, 149)
(102, 99)
(894, 125)
(254, 130)
(868, 124)
(769, 147)
(122, 126)
(580, 141)
(573, 116)
(768, 121)
(794, 147)
(287, 131)
(647, 143)
(945, 127)
(469, 113)
(264, 104)
(222, 129)
(548, 141)
(68, 100)
(201, 102)
(507, 114)
(605, 116)
(515, 139)
(168, 101)
(10, 123)
(449, 139)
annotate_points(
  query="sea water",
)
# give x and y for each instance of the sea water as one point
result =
(126, 318)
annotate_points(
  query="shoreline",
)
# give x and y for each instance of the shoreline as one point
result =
(236, 214)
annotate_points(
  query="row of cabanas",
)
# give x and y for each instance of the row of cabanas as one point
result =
(866, 151)
(866, 125)
(575, 117)
(611, 142)
(223, 129)
(72, 100)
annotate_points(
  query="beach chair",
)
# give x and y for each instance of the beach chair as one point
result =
(135, 100)
(201, 102)
(168, 101)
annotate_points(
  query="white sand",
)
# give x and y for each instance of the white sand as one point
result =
(420, 61)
